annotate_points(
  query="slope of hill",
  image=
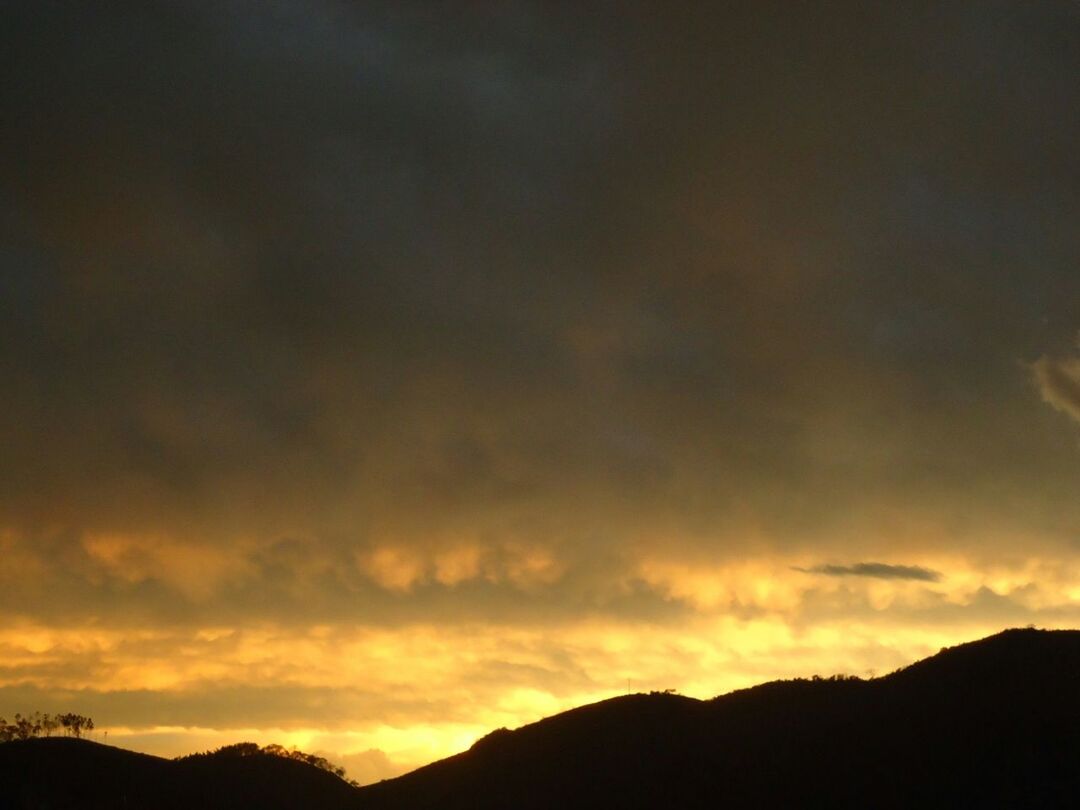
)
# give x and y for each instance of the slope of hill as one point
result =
(66, 773)
(994, 723)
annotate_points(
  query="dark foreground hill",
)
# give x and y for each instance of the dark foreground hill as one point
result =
(994, 723)
(60, 773)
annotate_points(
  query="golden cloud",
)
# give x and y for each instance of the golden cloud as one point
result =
(195, 570)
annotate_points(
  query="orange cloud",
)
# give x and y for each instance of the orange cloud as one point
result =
(401, 568)
(393, 568)
(195, 570)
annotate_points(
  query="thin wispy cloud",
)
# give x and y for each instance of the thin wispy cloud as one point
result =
(875, 570)
(1058, 380)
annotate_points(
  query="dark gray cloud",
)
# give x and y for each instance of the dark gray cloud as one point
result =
(875, 570)
(340, 275)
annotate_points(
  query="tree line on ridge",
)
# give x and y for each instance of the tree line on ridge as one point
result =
(38, 724)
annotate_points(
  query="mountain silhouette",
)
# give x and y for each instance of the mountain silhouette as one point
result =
(56, 773)
(993, 723)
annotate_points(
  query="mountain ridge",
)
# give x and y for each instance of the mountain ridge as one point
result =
(970, 722)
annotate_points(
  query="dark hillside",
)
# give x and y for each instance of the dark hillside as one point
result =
(988, 724)
(69, 773)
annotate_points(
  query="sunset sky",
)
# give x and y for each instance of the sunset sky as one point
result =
(377, 374)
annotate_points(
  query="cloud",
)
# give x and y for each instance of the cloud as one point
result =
(876, 570)
(195, 571)
(1059, 383)
(424, 290)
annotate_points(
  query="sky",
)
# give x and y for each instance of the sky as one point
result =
(374, 375)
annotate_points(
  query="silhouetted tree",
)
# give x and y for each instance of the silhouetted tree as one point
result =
(49, 724)
(240, 749)
(24, 728)
(75, 724)
(249, 749)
